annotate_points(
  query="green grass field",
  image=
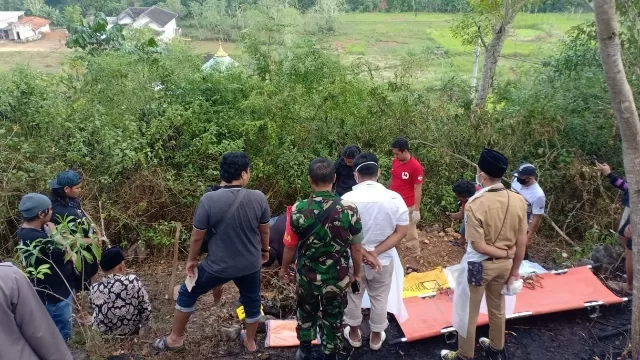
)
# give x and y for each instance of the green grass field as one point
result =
(387, 39)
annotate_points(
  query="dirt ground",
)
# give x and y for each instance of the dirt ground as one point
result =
(569, 335)
(52, 41)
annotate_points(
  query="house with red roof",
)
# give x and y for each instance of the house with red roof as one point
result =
(28, 28)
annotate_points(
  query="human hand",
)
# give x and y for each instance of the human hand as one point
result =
(529, 239)
(191, 268)
(265, 257)
(284, 274)
(371, 260)
(604, 168)
(415, 216)
(511, 253)
(356, 278)
(51, 226)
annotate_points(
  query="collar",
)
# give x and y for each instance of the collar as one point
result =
(494, 187)
(325, 193)
(368, 183)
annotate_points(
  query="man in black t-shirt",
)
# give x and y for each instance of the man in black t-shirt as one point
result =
(55, 287)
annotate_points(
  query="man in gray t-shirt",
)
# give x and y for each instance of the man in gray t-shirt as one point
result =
(235, 253)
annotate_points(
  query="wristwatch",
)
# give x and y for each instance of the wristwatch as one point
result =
(266, 250)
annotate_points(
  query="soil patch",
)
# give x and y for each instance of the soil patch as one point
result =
(568, 335)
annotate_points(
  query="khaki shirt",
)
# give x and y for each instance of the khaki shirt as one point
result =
(485, 215)
(26, 330)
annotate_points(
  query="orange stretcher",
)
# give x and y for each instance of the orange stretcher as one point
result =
(556, 291)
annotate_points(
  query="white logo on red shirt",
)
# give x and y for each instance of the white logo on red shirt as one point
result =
(420, 178)
(405, 175)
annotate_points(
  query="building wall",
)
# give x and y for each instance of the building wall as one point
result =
(170, 30)
(22, 31)
(5, 22)
(45, 29)
(125, 20)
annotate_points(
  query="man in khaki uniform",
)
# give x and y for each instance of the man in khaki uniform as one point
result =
(496, 227)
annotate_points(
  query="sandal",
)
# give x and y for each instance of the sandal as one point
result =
(243, 337)
(354, 344)
(376, 347)
(161, 345)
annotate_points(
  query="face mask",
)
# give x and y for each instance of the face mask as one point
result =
(478, 180)
(522, 181)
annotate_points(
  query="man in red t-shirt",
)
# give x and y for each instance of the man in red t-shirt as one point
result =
(406, 180)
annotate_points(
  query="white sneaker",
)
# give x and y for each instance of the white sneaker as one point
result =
(377, 347)
(355, 344)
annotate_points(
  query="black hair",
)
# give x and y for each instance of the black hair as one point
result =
(351, 152)
(367, 170)
(37, 216)
(322, 171)
(232, 165)
(464, 188)
(400, 143)
(58, 196)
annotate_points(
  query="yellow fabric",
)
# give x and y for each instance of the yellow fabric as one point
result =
(416, 284)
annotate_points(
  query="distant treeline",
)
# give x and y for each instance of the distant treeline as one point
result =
(113, 7)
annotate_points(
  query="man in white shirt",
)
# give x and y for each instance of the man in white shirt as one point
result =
(385, 222)
(524, 183)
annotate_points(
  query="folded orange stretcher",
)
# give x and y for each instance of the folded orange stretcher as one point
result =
(559, 291)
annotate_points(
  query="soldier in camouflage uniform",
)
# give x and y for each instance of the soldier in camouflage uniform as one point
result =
(323, 260)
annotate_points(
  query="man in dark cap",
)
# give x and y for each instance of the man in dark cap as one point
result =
(120, 303)
(524, 183)
(55, 288)
(496, 229)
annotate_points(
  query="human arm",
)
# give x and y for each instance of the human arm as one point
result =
(355, 229)
(521, 243)
(264, 241)
(418, 176)
(356, 258)
(475, 234)
(392, 240)
(456, 216)
(34, 322)
(288, 256)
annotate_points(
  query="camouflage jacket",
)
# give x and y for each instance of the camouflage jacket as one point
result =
(324, 255)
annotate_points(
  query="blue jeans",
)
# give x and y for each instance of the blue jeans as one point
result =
(61, 315)
(248, 285)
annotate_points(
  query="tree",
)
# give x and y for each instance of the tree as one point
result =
(629, 125)
(34, 5)
(95, 37)
(488, 19)
(175, 6)
(72, 14)
(11, 5)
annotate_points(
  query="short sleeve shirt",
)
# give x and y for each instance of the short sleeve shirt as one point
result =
(533, 194)
(235, 248)
(324, 255)
(381, 210)
(404, 177)
(497, 217)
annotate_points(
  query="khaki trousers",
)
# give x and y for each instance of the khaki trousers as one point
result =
(378, 287)
(411, 240)
(495, 274)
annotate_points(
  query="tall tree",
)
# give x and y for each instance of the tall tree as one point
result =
(489, 21)
(629, 125)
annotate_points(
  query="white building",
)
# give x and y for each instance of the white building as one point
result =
(25, 28)
(162, 21)
(7, 17)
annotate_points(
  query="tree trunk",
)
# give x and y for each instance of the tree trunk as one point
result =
(629, 125)
(491, 55)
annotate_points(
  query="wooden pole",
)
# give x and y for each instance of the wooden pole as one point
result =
(174, 266)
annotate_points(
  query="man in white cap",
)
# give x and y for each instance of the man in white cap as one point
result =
(524, 183)
(496, 229)
(385, 222)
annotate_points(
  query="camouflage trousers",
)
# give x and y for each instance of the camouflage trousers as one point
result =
(321, 303)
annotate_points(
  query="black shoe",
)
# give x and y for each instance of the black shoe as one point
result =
(489, 352)
(304, 352)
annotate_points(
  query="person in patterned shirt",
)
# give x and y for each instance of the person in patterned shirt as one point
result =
(120, 303)
(327, 228)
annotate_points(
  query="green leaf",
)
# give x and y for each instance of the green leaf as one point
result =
(87, 256)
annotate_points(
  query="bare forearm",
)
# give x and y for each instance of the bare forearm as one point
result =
(457, 216)
(392, 241)
(535, 223)
(264, 235)
(197, 237)
(418, 190)
(288, 255)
